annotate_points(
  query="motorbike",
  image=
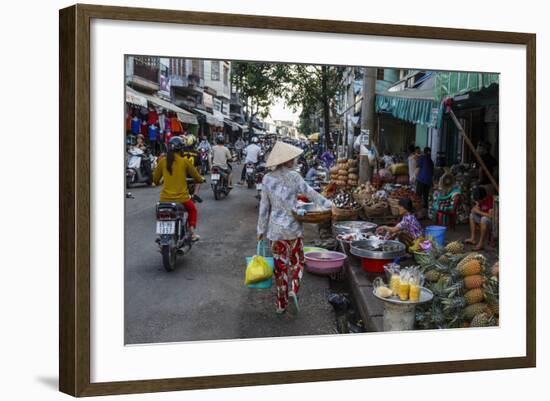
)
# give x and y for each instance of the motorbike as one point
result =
(219, 182)
(173, 231)
(203, 157)
(139, 166)
(250, 176)
(260, 172)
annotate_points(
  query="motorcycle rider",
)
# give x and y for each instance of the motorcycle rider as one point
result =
(189, 151)
(175, 169)
(252, 152)
(221, 156)
(204, 146)
(239, 146)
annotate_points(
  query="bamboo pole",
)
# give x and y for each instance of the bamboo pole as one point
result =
(473, 149)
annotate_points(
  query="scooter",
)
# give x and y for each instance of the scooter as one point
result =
(250, 176)
(260, 172)
(203, 157)
(173, 231)
(139, 166)
(219, 180)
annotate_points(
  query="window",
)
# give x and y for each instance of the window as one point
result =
(225, 75)
(380, 74)
(215, 70)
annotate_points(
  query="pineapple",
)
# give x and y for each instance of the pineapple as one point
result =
(495, 269)
(475, 281)
(469, 268)
(454, 247)
(432, 276)
(444, 259)
(474, 296)
(494, 308)
(475, 309)
(453, 304)
(483, 320)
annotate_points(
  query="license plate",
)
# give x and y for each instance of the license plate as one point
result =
(259, 187)
(215, 177)
(166, 227)
(249, 170)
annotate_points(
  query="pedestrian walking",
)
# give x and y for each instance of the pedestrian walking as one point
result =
(424, 175)
(281, 189)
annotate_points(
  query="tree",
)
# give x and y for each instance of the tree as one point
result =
(258, 84)
(312, 87)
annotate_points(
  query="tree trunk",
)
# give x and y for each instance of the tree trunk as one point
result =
(367, 120)
(326, 110)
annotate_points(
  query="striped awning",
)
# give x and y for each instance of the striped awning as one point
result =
(415, 106)
(452, 83)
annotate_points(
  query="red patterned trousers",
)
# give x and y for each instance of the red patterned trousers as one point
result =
(289, 268)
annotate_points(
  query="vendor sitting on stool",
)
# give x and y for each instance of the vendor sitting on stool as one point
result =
(482, 216)
(408, 229)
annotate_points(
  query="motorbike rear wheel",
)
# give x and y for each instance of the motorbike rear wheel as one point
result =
(216, 189)
(168, 257)
(250, 183)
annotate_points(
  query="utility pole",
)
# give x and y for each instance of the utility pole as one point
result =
(367, 121)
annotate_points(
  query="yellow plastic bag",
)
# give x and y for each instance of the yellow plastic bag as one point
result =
(257, 270)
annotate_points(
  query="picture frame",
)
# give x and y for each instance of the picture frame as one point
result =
(75, 206)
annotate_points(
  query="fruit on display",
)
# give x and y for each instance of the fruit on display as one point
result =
(465, 293)
(455, 247)
(344, 200)
(344, 173)
(383, 292)
(474, 281)
(475, 309)
(483, 319)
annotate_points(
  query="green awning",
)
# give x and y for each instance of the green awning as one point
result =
(450, 84)
(414, 106)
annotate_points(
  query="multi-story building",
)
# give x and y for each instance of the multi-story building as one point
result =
(142, 73)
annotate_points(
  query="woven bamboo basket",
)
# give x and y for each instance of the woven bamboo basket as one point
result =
(344, 214)
(314, 217)
(380, 209)
(394, 206)
(361, 197)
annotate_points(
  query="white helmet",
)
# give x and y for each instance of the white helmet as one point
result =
(255, 139)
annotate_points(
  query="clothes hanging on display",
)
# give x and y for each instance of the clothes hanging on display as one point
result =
(136, 125)
(153, 132)
(152, 117)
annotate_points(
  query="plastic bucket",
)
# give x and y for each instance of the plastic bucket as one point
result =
(437, 233)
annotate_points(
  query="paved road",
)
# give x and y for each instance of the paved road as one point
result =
(204, 298)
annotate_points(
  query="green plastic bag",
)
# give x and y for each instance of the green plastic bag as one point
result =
(257, 270)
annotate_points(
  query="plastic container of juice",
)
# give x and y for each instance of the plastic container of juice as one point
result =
(414, 292)
(395, 281)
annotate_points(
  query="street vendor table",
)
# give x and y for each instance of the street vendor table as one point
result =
(400, 315)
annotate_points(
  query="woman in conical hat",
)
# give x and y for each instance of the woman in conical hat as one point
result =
(280, 191)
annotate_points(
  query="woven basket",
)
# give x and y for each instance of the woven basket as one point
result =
(361, 197)
(344, 214)
(381, 209)
(314, 217)
(394, 206)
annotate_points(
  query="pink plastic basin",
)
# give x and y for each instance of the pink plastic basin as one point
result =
(324, 262)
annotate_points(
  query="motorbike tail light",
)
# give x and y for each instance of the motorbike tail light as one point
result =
(166, 214)
(259, 179)
(215, 170)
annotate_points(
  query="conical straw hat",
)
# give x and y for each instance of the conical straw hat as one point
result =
(282, 153)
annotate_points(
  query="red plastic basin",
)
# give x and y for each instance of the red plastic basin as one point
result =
(374, 265)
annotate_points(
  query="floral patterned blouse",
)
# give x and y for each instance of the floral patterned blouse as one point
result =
(279, 195)
(410, 225)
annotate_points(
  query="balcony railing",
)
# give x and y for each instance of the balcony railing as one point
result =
(147, 72)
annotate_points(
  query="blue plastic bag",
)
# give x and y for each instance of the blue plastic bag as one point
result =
(270, 261)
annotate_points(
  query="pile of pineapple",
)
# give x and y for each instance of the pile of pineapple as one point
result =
(465, 291)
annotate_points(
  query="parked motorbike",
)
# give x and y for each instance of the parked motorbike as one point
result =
(173, 231)
(139, 166)
(260, 172)
(219, 182)
(205, 164)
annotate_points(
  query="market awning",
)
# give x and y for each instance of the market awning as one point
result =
(234, 126)
(451, 84)
(416, 106)
(183, 115)
(134, 97)
(210, 118)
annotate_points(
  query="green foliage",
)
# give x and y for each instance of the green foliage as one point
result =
(259, 84)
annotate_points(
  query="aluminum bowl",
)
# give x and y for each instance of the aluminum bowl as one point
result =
(347, 227)
(377, 249)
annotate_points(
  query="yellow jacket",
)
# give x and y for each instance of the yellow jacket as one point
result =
(175, 184)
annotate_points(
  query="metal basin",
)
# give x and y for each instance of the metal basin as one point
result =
(346, 227)
(377, 249)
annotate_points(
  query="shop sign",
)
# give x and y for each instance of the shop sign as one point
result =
(207, 100)
(218, 105)
(225, 108)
